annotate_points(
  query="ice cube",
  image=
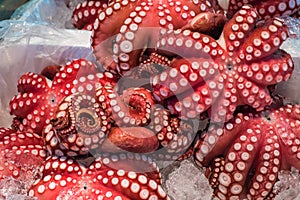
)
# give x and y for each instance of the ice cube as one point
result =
(188, 182)
(288, 185)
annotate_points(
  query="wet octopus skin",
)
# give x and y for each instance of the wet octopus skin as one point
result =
(255, 147)
(222, 74)
(111, 123)
(21, 153)
(124, 28)
(82, 122)
(65, 178)
(266, 9)
(39, 96)
(86, 13)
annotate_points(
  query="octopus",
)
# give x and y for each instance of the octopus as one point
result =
(79, 133)
(219, 75)
(40, 94)
(65, 178)
(124, 176)
(112, 123)
(245, 155)
(123, 30)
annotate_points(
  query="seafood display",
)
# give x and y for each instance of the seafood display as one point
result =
(100, 129)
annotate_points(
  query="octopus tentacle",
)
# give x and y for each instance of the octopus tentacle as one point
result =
(78, 126)
(269, 163)
(160, 124)
(189, 73)
(86, 13)
(155, 64)
(139, 163)
(199, 85)
(236, 169)
(266, 9)
(199, 45)
(134, 29)
(214, 171)
(238, 28)
(63, 177)
(290, 114)
(268, 70)
(39, 96)
(209, 140)
(264, 41)
(182, 139)
(230, 60)
(174, 136)
(140, 102)
(132, 108)
(257, 97)
(253, 144)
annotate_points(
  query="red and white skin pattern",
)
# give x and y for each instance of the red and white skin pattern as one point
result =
(82, 122)
(109, 122)
(222, 74)
(174, 135)
(38, 96)
(64, 178)
(266, 9)
(86, 13)
(154, 64)
(247, 153)
(125, 28)
(21, 154)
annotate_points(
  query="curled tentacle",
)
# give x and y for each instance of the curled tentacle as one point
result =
(174, 136)
(132, 108)
(78, 126)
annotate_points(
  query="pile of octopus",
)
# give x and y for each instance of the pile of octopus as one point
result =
(86, 130)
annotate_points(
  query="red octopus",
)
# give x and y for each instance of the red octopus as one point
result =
(39, 96)
(124, 176)
(108, 122)
(124, 28)
(245, 155)
(222, 74)
(81, 113)
(65, 178)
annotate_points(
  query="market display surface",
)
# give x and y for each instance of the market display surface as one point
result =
(189, 81)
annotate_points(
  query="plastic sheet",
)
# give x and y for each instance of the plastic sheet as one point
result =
(33, 44)
(55, 12)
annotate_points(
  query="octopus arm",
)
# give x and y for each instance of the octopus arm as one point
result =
(270, 70)
(266, 167)
(212, 143)
(238, 28)
(264, 41)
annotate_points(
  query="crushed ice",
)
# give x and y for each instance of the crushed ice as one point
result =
(288, 185)
(13, 189)
(188, 182)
